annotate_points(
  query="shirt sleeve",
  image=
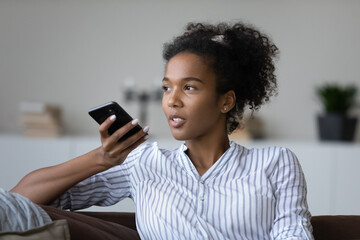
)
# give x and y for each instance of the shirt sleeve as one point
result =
(292, 217)
(102, 189)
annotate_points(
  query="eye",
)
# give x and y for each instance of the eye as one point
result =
(165, 88)
(190, 88)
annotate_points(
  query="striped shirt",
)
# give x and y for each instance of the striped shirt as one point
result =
(18, 213)
(246, 194)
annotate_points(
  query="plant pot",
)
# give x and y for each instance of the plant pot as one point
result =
(336, 127)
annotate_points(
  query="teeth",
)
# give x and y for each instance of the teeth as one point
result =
(177, 119)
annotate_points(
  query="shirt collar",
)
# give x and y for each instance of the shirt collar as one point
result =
(213, 171)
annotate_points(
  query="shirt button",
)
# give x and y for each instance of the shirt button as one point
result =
(201, 198)
(202, 181)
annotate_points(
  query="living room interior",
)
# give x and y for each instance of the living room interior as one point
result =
(74, 55)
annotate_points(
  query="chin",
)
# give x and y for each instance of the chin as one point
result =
(179, 136)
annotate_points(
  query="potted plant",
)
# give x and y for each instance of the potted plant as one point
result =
(335, 123)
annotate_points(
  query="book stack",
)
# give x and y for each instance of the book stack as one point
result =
(40, 119)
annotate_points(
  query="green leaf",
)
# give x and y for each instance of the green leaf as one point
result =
(337, 99)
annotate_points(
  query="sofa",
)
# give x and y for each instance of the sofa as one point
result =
(344, 227)
(339, 227)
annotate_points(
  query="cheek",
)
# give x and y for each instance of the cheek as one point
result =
(163, 104)
(206, 111)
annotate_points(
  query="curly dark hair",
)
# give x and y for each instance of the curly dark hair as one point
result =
(242, 58)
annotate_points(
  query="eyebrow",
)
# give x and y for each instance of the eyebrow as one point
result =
(187, 79)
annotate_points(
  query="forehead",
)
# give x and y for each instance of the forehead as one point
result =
(188, 65)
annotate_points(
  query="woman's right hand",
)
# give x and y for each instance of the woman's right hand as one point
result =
(44, 185)
(113, 152)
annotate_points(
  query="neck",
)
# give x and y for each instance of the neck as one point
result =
(205, 152)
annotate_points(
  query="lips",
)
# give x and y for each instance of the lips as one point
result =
(176, 121)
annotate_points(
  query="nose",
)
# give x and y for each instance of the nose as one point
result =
(174, 99)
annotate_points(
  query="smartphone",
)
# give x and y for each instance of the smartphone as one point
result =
(102, 112)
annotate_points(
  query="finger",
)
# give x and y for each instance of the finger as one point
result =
(103, 128)
(124, 152)
(123, 130)
(111, 141)
(129, 142)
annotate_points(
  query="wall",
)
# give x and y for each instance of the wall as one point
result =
(78, 53)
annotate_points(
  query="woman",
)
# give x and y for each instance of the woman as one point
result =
(210, 187)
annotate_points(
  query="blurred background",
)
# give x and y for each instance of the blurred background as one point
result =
(60, 58)
(82, 53)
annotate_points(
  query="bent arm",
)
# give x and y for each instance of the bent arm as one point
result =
(44, 185)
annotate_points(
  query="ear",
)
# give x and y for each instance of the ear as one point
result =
(228, 101)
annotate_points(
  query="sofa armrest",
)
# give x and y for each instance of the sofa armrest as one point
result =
(336, 227)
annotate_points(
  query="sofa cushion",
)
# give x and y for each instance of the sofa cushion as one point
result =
(56, 230)
(126, 219)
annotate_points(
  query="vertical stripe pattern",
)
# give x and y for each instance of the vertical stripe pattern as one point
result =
(246, 194)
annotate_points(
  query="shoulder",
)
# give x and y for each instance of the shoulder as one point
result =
(281, 156)
(270, 157)
(271, 154)
(148, 152)
(281, 163)
(268, 153)
(148, 148)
